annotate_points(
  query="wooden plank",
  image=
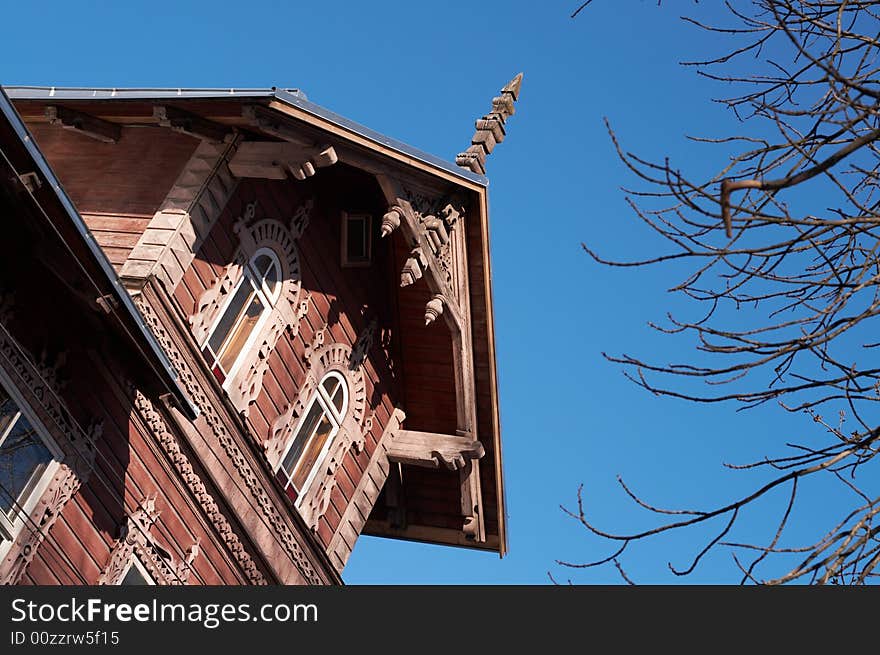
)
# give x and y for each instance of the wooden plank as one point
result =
(433, 450)
(130, 177)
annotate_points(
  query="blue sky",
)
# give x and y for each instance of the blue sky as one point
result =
(422, 72)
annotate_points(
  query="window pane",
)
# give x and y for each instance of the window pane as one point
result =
(233, 311)
(338, 399)
(241, 331)
(330, 383)
(312, 450)
(8, 411)
(23, 457)
(306, 429)
(134, 577)
(261, 264)
(356, 239)
(271, 280)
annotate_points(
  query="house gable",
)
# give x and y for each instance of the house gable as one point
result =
(179, 229)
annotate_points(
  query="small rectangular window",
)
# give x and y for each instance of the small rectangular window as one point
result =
(357, 239)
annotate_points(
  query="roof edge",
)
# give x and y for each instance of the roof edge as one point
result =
(379, 138)
(122, 296)
(292, 97)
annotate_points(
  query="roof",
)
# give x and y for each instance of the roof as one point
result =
(223, 106)
(293, 97)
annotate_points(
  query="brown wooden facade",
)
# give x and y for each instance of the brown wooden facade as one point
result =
(169, 456)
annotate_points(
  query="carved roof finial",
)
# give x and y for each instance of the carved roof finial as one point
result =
(513, 86)
(490, 128)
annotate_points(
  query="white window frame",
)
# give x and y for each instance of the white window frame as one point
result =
(10, 527)
(336, 417)
(134, 561)
(269, 300)
(368, 235)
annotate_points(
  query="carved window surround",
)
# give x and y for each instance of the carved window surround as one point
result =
(136, 540)
(160, 429)
(39, 386)
(246, 380)
(322, 358)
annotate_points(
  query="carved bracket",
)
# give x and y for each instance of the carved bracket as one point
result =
(429, 232)
(432, 450)
(439, 254)
(455, 453)
(276, 161)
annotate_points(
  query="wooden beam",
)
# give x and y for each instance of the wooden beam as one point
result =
(190, 124)
(429, 534)
(275, 161)
(87, 125)
(292, 124)
(433, 450)
(365, 495)
(462, 454)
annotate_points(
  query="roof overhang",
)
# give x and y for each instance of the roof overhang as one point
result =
(365, 148)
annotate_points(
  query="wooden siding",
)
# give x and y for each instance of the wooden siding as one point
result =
(96, 382)
(117, 187)
(342, 299)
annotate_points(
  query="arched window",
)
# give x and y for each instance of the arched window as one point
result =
(248, 304)
(311, 440)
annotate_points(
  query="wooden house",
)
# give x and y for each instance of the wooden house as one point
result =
(237, 331)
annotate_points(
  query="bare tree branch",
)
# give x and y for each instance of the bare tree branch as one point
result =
(807, 279)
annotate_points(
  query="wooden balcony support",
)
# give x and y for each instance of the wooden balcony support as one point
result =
(452, 452)
(276, 161)
(433, 450)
